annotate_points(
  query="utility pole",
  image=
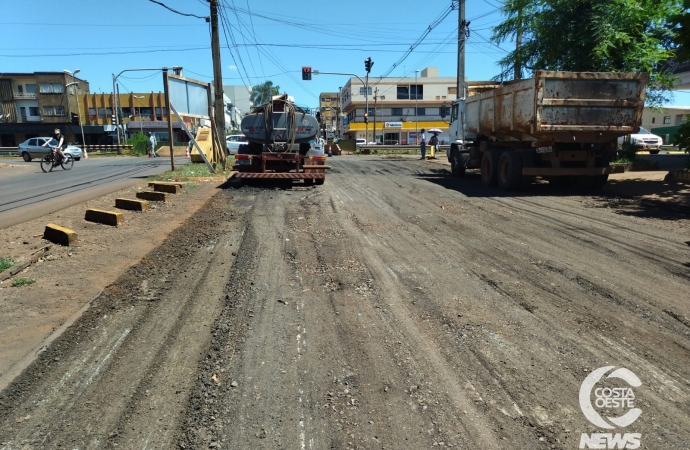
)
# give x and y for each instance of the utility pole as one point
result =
(376, 93)
(218, 108)
(518, 44)
(462, 34)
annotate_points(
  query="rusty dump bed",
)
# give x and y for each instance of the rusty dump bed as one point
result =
(279, 121)
(560, 106)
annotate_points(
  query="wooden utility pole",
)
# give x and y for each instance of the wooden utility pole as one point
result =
(170, 127)
(217, 71)
(518, 43)
(462, 34)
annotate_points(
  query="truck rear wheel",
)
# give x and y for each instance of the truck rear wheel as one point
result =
(509, 171)
(489, 167)
(319, 181)
(457, 168)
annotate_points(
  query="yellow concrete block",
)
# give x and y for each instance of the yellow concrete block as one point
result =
(131, 205)
(105, 217)
(153, 196)
(169, 188)
(170, 183)
(59, 235)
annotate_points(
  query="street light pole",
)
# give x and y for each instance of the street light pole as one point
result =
(81, 124)
(416, 118)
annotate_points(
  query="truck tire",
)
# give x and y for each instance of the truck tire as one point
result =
(598, 181)
(457, 167)
(489, 167)
(319, 181)
(509, 171)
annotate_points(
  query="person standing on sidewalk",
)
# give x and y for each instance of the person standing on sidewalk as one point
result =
(152, 145)
(422, 144)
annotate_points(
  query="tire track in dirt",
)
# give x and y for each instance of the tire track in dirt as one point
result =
(122, 373)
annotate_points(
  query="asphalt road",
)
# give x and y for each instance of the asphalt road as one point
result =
(26, 192)
(393, 307)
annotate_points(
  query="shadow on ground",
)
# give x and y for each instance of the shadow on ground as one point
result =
(633, 197)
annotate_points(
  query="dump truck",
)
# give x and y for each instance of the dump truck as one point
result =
(278, 135)
(560, 126)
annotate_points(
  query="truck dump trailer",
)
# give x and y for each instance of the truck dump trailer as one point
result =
(279, 135)
(561, 126)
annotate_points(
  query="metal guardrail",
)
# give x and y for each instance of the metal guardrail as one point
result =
(8, 151)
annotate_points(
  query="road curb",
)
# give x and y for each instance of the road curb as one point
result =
(169, 188)
(153, 196)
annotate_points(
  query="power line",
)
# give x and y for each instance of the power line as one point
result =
(178, 12)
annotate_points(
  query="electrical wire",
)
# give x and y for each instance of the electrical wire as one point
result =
(178, 12)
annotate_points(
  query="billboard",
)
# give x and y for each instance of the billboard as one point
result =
(190, 97)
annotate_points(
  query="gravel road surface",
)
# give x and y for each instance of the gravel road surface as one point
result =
(394, 307)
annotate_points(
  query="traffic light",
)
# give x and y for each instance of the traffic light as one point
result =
(368, 64)
(112, 118)
(306, 73)
(366, 118)
(75, 119)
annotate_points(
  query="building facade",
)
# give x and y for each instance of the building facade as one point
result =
(237, 104)
(34, 104)
(664, 122)
(399, 108)
(329, 112)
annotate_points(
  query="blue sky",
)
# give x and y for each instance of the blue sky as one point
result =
(104, 37)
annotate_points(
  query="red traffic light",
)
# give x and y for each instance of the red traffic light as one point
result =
(306, 73)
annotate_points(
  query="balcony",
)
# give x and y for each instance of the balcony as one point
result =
(25, 95)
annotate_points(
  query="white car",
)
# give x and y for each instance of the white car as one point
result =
(360, 142)
(234, 141)
(33, 148)
(646, 140)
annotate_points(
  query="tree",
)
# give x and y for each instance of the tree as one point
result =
(682, 137)
(263, 93)
(592, 36)
(681, 23)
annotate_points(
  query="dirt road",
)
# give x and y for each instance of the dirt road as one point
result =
(393, 307)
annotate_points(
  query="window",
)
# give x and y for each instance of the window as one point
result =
(101, 112)
(372, 112)
(667, 120)
(54, 110)
(92, 113)
(30, 88)
(20, 89)
(416, 92)
(452, 91)
(396, 111)
(33, 111)
(51, 88)
(653, 119)
(403, 92)
(679, 119)
(361, 91)
(421, 111)
(108, 112)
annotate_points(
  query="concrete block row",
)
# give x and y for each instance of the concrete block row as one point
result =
(64, 236)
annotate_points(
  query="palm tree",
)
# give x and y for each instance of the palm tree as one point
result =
(263, 93)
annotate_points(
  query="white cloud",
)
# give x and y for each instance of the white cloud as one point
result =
(232, 67)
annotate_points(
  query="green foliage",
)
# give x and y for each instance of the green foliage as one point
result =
(629, 151)
(682, 136)
(6, 263)
(262, 93)
(18, 282)
(138, 142)
(592, 36)
(681, 23)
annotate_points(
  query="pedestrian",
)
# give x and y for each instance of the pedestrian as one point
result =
(152, 145)
(433, 144)
(422, 144)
